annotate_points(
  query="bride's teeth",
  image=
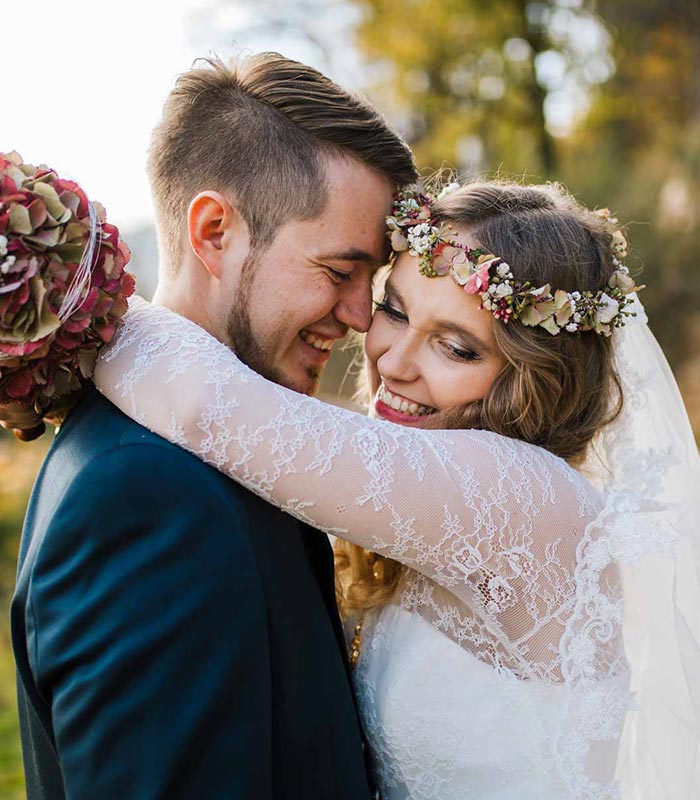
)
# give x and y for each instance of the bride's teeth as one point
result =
(401, 404)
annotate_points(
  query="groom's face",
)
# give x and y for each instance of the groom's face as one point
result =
(304, 292)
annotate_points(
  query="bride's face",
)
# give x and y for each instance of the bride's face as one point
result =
(430, 347)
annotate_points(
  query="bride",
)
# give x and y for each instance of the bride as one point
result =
(513, 546)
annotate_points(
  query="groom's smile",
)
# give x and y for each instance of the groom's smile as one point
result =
(318, 342)
(317, 347)
(314, 282)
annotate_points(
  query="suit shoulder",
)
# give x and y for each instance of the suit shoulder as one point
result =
(98, 439)
(142, 466)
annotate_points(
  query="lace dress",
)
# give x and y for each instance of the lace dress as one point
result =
(498, 670)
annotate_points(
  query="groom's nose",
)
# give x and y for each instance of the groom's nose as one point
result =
(354, 307)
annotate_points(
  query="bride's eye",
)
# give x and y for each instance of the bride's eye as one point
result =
(390, 311)
(461, 353)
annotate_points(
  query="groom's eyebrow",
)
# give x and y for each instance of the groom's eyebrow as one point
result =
(355, 255)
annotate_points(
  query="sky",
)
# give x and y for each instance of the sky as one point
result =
(85, 81)
(84, 84)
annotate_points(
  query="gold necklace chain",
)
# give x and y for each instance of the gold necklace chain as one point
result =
(356, 643)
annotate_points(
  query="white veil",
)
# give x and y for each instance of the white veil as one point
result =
(647, 462)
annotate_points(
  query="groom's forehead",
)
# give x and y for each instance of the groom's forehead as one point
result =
(358, 235)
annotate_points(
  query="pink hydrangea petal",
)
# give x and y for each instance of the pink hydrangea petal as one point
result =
(46, 222)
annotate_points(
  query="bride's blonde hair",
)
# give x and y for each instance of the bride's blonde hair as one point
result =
(554, 391)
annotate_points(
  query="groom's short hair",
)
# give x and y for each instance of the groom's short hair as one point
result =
(257, 130)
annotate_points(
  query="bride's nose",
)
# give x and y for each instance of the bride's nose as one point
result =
(400, 361)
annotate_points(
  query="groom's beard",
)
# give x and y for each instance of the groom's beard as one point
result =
(240, 334)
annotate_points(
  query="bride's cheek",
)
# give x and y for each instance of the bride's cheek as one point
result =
(373, 340)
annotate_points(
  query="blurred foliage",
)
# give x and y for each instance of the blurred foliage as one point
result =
(638, 151)
(471, 82)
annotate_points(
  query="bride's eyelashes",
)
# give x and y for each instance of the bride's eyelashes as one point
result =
(391, 312)
(461, 353)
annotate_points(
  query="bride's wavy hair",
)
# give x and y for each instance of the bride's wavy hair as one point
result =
(556, 392)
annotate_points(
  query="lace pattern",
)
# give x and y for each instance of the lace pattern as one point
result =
(514, 554)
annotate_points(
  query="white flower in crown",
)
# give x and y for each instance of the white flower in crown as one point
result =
(422, 229)
(3, 246)
(503, 271)
(606, 310)
(421, 238)
(451, 187)
(503, 290)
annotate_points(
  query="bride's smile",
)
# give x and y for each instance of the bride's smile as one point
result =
(430, 348)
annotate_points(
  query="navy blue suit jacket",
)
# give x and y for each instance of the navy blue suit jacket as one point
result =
(175, 636)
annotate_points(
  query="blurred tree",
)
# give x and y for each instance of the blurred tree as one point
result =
(471, 84)
(603, 96)
(638, 149)
(479, 85)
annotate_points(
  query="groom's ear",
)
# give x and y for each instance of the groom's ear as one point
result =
(217, 232)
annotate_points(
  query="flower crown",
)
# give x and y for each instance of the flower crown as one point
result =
(411, 228)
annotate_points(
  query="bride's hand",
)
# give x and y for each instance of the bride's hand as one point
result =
(25, 423)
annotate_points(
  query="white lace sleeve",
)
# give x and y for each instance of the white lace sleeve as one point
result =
(474, 511)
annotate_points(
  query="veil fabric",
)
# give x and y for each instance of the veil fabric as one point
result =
(647, 463)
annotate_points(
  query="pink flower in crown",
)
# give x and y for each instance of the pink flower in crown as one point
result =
(478, 280)
(447, 257)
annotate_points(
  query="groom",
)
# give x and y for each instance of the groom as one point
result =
(175, 636)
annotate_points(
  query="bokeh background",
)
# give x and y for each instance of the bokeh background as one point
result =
(602, 95)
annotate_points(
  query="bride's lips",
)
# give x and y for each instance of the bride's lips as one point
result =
(396, 408)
